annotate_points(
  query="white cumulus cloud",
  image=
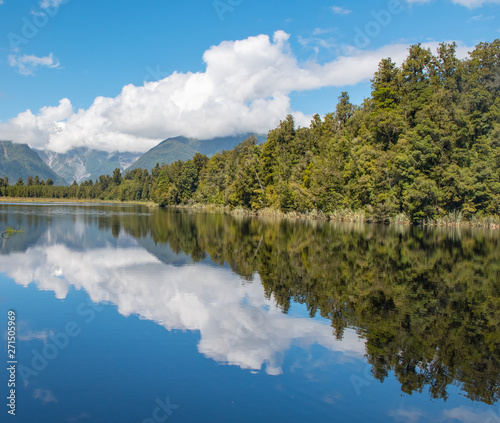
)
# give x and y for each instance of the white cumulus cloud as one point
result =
(245, 87)
(35, 130)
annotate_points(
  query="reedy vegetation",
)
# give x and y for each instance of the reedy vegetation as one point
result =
(424, 147)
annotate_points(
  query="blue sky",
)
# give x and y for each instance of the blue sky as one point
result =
(224, 66)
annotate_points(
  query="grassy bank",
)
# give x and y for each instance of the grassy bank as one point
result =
(72, 200)
(347, 215)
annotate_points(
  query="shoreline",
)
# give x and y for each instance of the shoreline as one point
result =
(72, 201)
(343, 216)
(346, 216)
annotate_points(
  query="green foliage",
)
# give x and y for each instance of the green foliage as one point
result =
(8, 232)
(425, 144)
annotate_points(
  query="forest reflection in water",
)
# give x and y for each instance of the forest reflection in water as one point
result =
(427, 301)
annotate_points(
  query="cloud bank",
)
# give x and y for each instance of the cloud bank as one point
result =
(245, 87)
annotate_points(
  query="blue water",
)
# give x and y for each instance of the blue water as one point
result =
(109, 332)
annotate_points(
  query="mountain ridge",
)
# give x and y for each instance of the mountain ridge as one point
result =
(20, 161)
(183, 148)
(82, 163)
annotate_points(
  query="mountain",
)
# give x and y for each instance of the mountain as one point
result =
(20, 161)
(182, 148)
(80, 164)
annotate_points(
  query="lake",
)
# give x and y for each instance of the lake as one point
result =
(125, 313)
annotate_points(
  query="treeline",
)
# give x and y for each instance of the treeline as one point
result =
(133, 186)
(425, 145)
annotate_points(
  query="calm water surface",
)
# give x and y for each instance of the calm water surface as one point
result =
(129, 314)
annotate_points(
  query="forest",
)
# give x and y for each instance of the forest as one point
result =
(424, 146)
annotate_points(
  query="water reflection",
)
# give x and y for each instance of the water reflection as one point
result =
(237, 323)
(425, 302)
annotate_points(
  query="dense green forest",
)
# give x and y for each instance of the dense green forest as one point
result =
(425, 145)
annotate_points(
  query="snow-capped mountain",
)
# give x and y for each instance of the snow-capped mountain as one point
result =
(80, 164)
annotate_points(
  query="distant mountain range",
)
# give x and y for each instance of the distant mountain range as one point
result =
(182, 148)
(20, 161)
(80, 164)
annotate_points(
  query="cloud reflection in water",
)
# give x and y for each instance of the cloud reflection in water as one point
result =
(237, 323)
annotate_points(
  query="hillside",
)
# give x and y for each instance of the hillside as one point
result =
(182, 148)
(20, 161)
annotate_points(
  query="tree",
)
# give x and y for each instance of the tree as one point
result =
(421, 199)
(417, 71)
(344, 110)
(245, 186)
(3, 186)
(117, 176)
(200, 161)
(386, 118)
(187, 180)
(276, 165)
(156, 170)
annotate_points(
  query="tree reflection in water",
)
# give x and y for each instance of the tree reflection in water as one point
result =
(427, 301)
